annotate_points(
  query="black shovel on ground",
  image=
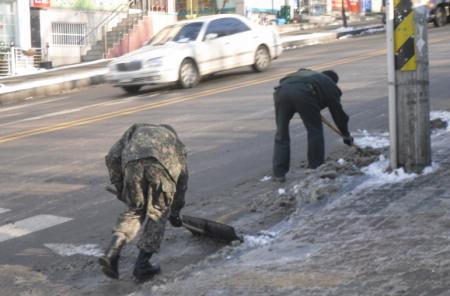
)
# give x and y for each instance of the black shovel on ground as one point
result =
(204, 227)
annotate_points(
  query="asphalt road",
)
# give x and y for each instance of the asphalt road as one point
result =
(52, 150)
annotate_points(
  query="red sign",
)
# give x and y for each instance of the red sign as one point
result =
(40, 3)
(349, 5)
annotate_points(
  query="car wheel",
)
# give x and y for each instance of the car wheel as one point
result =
(188, 75)
(131, 89)
(441, 17)
(262, 59)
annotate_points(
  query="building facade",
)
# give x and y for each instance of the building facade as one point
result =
(15, 29)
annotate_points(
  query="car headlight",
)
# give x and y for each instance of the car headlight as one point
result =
(154, 63)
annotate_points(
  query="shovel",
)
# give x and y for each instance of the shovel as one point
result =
(203, 227)
(209, 228)
(326, 122)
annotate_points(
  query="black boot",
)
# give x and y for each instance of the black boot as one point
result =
(110, 261)
(143, 269)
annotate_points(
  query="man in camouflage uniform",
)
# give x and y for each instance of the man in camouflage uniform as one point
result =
(148, 168)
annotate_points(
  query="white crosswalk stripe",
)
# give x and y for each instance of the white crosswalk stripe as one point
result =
(29, 225)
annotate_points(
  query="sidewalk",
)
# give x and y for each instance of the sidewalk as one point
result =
(353, 229)
(15, 89)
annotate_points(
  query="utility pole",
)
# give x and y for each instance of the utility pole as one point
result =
(344, 18)
(409, 107)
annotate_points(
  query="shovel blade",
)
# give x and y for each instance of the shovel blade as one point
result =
(209, 228)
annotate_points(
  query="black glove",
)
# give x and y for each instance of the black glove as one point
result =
(348, 141)
(175, 221)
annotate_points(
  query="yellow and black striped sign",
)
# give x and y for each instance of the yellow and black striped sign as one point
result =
(404, 26)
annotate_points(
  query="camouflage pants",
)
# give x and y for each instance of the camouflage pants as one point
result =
(148, 192)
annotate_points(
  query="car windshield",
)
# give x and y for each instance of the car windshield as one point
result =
(177, 33)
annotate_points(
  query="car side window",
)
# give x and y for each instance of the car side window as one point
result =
(236, 26)
(218, 27)
(226, 26)
(188, 32)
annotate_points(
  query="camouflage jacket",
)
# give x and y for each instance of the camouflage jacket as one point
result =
(142, 141)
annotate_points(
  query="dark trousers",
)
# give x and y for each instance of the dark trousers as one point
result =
(290, 99)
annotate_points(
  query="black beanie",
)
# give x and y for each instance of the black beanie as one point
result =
(333, 75)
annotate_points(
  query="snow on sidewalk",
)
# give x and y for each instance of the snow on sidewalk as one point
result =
(373, 232)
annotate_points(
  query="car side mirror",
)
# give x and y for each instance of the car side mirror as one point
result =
(211, 36)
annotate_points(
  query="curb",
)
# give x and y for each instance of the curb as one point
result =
(50, 89)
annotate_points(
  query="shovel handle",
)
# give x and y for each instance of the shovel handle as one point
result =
(326, 122)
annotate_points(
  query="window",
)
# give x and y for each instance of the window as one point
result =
(236, 26)
(7, 27)
(218, 27)
(188, 32)
(68, 34)
(177, 33)
(226, 26)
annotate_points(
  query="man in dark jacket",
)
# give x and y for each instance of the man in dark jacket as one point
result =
(148, 168)
(306, 92)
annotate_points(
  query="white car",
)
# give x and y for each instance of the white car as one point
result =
(187, 50)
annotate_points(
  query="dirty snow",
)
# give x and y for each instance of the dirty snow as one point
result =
(379, 174)
(265, 179)
(70, 249)
(375, 30)
(282, 262)
(281, 191)
(263, 239)
(305, 37)
(364, 139)
(443, 115)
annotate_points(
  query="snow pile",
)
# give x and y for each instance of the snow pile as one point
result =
(263, 239)
(305, 37)
(375, 30)
(364, 139)
(332, 244)
(344, 29)
(265, 179)
(379, 174)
